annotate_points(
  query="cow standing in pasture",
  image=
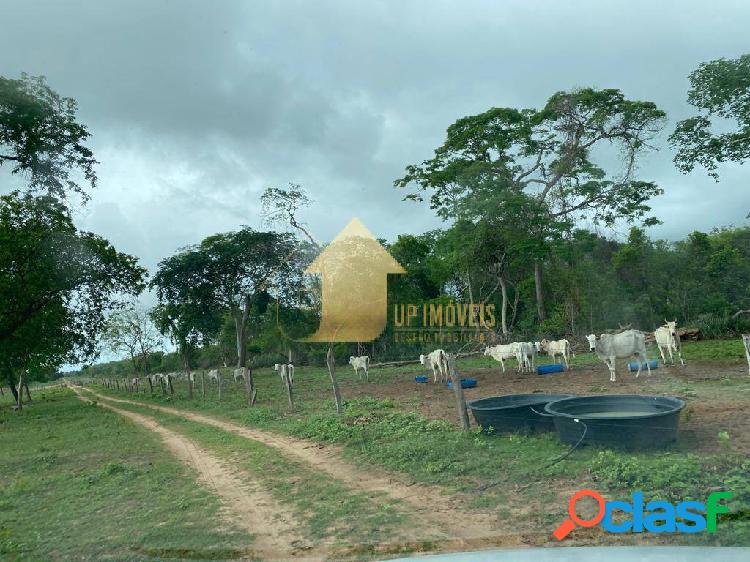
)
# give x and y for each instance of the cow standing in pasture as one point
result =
(361, 362)
(555, 348)
(667, 338)
(238, 374)
(517, 350)
(438, 362)
(526, 355)
(610, 347)
(214, 375)
(289, 371)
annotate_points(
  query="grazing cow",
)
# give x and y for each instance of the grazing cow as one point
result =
(239, 374)
(667, 338)
(630, 343)
(289, 371)
(557, 347)
(214, 375)
(503, 352)
(438, 362)
(361, 362)
(746, 343)
(591, 338)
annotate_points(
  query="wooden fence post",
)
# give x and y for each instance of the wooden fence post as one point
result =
(169, 385)
(150, 384)
(288, 385)
(218, 382)
(252, 392)
(463, 415)
(203, 384)
(331, 362)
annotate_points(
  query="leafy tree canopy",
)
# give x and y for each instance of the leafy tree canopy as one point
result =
(57, 283)
(546, 154)
(41, 139)
(720, 90)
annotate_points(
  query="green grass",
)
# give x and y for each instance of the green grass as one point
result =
(387, 433)
(80, 483)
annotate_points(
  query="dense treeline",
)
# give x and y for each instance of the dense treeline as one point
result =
(512, 184)
(592, 284)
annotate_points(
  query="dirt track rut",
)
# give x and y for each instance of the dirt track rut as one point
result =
(434, 510)
(245, 505)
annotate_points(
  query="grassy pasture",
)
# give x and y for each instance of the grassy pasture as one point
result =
(80, 483)
(510, 474)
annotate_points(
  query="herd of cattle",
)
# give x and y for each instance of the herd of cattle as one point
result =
(608, 347)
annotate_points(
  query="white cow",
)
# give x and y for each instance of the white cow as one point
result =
(502, 352)
(591, 338)
(667, 338)
(289, 371)
(238, 374)
(746, 343)
(526, 354)
(630, 343)
(557, 347)
(214, 375)
(438, 361)
(361, 362)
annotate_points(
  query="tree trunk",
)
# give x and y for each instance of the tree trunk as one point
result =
(240, 321)
(14, 392)
(504, 307)
(331, 362)
(28, 394)
(458, 392)
(539, 290)
(150, 384)
(117, 383)
(19, 393)
(169, 385)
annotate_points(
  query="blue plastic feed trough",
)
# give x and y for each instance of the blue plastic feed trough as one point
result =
(421, 378)
(549, 369)
(633, 366)
(465, 383)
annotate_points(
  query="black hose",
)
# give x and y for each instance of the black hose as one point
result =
(573, 448)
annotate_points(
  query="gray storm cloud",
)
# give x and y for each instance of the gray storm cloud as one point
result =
(196, 107)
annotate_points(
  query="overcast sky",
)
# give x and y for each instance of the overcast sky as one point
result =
(196, 107)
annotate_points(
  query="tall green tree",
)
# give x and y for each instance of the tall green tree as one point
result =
(720, 91)
(57, 285)
(546, 154)
(41, 139)
(239, 272)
